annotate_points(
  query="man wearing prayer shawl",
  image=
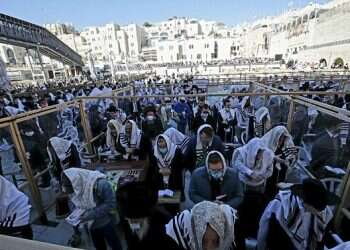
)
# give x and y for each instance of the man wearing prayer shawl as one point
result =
(216, 182)
(206, 226)
(14, 211)
(254, 163)
(165, 171)
(298, 218)
(200, 145)
(93, 193)
(132, 143)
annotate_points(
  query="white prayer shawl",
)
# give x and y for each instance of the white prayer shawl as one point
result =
(83, 182)
(188, 228)
(14, 205)
(271, 138)
(110, 140)
(12, 110)
(295, 220)
(164, 162)
(260, 126)
(243, 159)
(199, 146)
(343, 246)
(244, 102)
(61, 147)
(227, 115)
(132, 142)
(178, 138)
(261, 113)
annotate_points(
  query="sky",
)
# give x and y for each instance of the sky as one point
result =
(84, 13)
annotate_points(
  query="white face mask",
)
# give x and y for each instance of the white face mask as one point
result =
(135, 227)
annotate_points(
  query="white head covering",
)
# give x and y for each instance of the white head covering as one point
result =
(188, 228)
(225, 114)
(271, 138)
(164, 162)
(261, 113)
(295, 221)
(14, 205)
(244, 101)
(135, 139)
(178, 138)
(199, 145)
(109, 138)
(222, 160)
(248, 155)
(83, 182)
(61, 147)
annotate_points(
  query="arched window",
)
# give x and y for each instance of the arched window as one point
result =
(10, 56)
(323, 62)
(312, 15)
(339, 62)
(305, 18)
(299, 21)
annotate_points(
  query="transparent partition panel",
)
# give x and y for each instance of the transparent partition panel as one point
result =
(11, 167)
(324, 149)
(51, 141)
(278, 107)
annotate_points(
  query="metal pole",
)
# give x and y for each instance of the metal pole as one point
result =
(290, 115)
(86, 126)
(30, 64)
(41, 64)
(345, 188)
(21, 153)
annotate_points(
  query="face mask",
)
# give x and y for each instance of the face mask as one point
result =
(150, 118)
(227, 108)
(204, 116)
(135, 226)
(205, 142)
(163, 151)
(216, 174)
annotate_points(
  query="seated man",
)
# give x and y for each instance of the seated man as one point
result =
(94, 194)
(14, 211)
(227, 122)
(200, 145)
(215, 182)
(203, 116)
(143, 222)
(207, 226)
(152, 125)
(165, 170)
(132, 144)
(178, 138)
(297, 218)
(253, 162)
(112, 135)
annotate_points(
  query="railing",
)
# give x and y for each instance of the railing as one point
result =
(293, 99)
(33, 35)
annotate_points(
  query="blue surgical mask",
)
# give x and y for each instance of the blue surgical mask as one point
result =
(216, 174)
(163, 151)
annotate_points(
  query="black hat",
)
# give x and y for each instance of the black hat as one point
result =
(149, 108)
(136, 200)
(312, 192)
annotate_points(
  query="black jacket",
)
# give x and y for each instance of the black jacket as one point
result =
(155, 179)
(156, 238)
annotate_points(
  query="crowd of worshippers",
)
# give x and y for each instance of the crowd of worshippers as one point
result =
(236, 151)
